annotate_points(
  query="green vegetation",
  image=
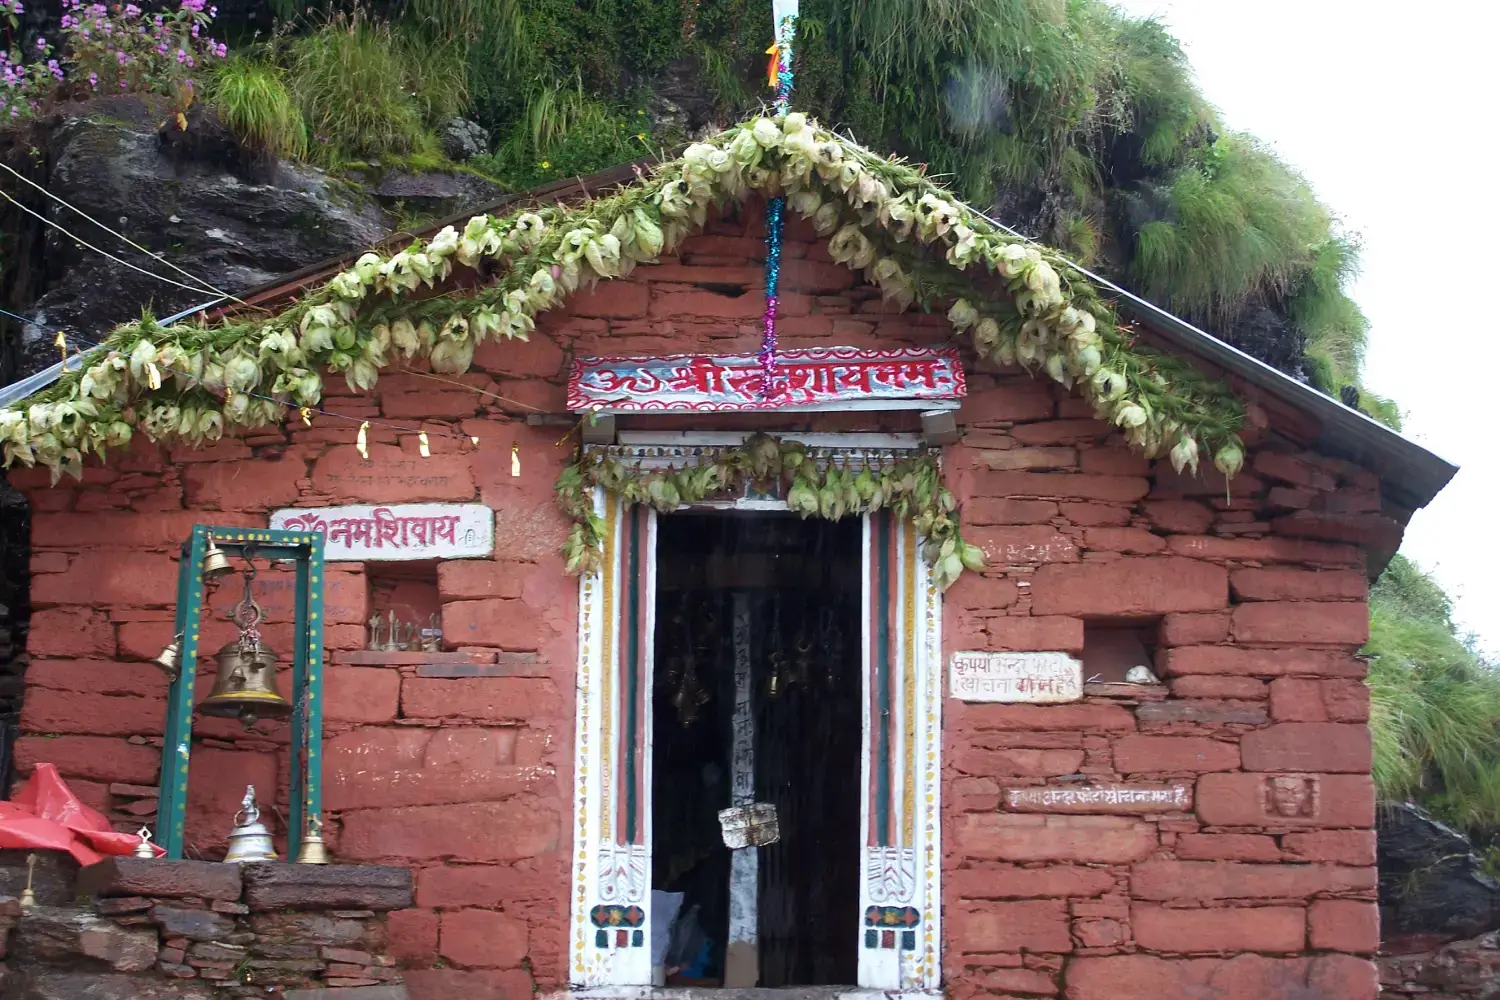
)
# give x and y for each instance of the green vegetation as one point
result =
(253, 100)
(1435, 705)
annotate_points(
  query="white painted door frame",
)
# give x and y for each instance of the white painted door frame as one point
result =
(898, 927)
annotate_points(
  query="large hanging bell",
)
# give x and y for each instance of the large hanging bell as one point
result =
(246, 685)
(215, 562)
(249, 840)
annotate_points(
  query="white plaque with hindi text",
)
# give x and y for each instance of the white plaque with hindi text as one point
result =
(396, 531)
(1042, 678)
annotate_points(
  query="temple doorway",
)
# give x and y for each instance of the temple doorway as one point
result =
(756, 700)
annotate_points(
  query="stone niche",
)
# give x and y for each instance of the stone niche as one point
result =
(195, 930)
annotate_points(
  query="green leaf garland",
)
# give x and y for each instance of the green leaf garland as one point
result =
(910, 488)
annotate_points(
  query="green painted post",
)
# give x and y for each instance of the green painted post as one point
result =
(177, 739)
(306, 549)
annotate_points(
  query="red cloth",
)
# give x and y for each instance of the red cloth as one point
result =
(47, 815)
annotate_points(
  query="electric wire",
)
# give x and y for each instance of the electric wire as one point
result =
(155, 256)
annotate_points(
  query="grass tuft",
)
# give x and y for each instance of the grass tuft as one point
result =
(253, 101)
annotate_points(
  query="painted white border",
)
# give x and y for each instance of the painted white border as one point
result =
(624, 974)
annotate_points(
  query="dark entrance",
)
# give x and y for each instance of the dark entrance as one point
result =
(795, 586)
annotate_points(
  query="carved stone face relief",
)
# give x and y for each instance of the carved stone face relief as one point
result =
(1292, 796)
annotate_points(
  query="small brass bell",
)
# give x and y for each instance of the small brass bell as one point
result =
(215, 562)
(249, 840)
(313, 852)
(144, 848)
(168, 658)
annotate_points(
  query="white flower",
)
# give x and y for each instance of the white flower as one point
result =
(794, 123)
(962, 315)
(1130, 415)
(766, 132)
(1230, 459)
(1184, 454)
(444, 243)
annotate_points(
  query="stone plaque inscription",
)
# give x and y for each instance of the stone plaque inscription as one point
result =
(1101, 799)
(397, 531)
(1015, 677)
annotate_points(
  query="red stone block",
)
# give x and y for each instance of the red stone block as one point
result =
(1188, 629)
(1242, 688)
(1244, 977)
(108, 529)
(452, 984)
(1135, 541)
(1233, 661)
(1351, 925)
(391, 475)
(541, 355)
(484, 831)
(412, 936)
(1027, 634)
(1241, 800)
(261, 484)
(1182, 517)
(1308, 746)
(513, 887)
(1181, 881)
(98, 758)
(975, 592)
(1283, 584)
(1259, 928)
(1297, 699)
(1227, 847)
(485, 699)
(1207, 482)
(1060, 431)
(1092, 514)
(611, 300)
(1130, 586)
(1137, 754)
(987, 510)
(1113, 462)
(366, 695)
(1287, 469)
(374, 768)
(46, 710)
(1012, 459)
(1005, 882)
(1018, 762)
(1312, 622)
(963, 717)
(1288, 550)
(1039, 925)
(1035, 837)
(1007, 401)
(1347, 700)
(509, 624)
(1023, 545)
(48, 562)
(472, 579)
(1345, 847)
(141, 680)
(436, 403)
(71, 632)
(482, 939)
(1003, 982)
(216, 785)
(1062, 486)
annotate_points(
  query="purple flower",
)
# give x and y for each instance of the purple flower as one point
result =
(122, 58)
(181, 56)
(222, 50)
(190, 63)
(67, 21)
(41, 45)
(161, 49)
(195, 31)
(94, 81)
(131, 10)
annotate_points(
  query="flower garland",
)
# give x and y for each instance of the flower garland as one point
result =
(1020, 302)
(911, 489)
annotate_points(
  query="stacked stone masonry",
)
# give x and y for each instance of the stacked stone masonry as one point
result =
(1254, 590)
(192, 930)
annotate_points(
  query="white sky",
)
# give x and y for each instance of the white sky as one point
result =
(1388, 111)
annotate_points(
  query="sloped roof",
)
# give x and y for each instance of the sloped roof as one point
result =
(1410, 474)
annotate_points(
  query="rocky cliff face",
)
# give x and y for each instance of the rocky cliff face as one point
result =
(229, 218)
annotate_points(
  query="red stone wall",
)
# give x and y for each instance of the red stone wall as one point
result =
(467, 779)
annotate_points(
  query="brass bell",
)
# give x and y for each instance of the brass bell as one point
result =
(168, 658)
(249, 840)
(246, 685)
(215, 562)
(312, 851)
